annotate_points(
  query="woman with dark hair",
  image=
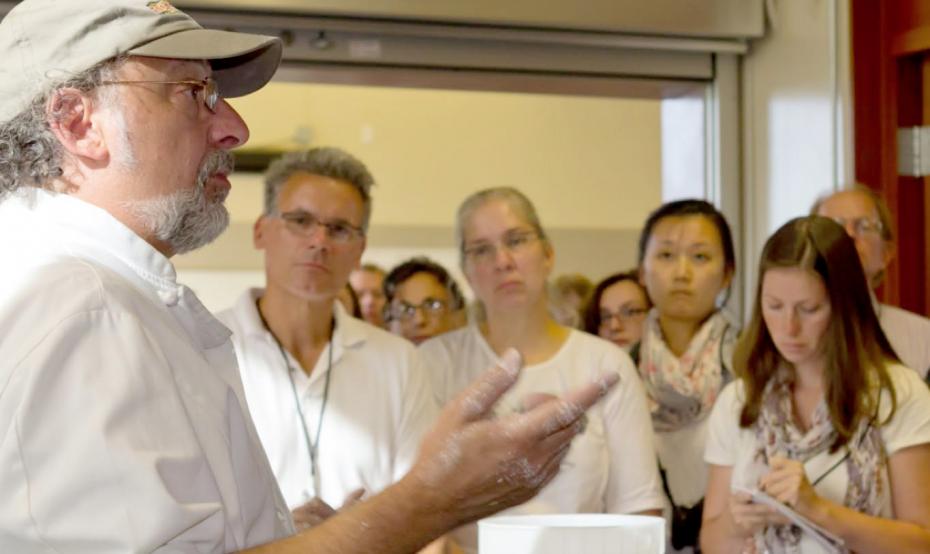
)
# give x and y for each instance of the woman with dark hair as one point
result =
(823, 418)
(686, 261)
(616, 310)
(507, 257)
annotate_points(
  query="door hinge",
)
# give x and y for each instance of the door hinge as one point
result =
(914, 151)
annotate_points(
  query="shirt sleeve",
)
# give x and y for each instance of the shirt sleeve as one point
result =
(910, 425)
(633, 483)
(420, 412)
(100, 454)
(723, 428)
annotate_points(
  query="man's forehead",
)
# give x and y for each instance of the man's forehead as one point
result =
(168, 66)
(303, 184)
(851, 202)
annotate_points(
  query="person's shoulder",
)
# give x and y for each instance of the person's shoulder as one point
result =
(449, 342)
(60, 297)
(382, 338)
(906, 382)
(603, 352)
(732, 396)
(242, 315)
(910, 424)
(371, 344)
(593, 343)
(65, 286)
(901, 317)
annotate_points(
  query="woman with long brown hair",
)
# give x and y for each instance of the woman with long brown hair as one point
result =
(823, 418)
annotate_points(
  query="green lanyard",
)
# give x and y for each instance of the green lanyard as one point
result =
(313, 446)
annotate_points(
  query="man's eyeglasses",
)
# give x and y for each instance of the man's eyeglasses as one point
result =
(513, 242)
(860, 226)
(403, 311)
(303, 224)
(624, 315)
(204, 90)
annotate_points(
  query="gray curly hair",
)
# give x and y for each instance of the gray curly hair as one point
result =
(330, 162)
(30, 155)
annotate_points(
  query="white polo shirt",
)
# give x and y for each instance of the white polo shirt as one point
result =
(909, 335)
(611, 467)
(122, 422)
(378, 408)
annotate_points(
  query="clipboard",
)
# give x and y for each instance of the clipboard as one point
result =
(829, 541)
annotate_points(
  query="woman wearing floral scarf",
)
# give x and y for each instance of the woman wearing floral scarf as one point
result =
(686, 262)
(823, 418)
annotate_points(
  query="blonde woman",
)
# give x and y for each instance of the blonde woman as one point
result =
(507, 257)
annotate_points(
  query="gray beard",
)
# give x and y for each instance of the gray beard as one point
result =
(186, 220)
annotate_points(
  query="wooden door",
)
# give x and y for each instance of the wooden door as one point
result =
(891, 89)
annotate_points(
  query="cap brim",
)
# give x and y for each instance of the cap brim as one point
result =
(242, 63)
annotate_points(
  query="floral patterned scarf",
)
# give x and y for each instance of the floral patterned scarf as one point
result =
(777, 435)
(683, 389)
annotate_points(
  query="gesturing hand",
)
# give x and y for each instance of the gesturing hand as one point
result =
(476, 465)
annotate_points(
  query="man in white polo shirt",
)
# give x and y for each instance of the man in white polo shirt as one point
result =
(340, 405)
(867, 220)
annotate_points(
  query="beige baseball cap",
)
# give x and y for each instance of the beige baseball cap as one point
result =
(43, 42)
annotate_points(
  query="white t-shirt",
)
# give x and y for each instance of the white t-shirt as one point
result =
(611, 467)
(378, 408)
(123, 427)
(909, 335)
(730, 445)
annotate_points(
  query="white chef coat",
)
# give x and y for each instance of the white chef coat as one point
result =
(909, 335)
(611, 467)
(378, 408)
(733, 446)
(123, 427)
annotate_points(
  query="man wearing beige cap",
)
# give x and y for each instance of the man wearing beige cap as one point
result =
(122, 421)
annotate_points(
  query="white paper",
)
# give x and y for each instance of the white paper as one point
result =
(828, 540)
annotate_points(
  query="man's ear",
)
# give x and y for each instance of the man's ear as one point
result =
(70, 117)
(258, 232)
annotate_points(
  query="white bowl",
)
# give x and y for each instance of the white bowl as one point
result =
(571, 534)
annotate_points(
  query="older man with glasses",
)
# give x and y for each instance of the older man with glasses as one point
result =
(866, 218)
(123, 426)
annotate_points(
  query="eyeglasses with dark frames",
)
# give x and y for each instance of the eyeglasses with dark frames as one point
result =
(303, 224)
(624, 314)
(206, 89)
(405, 311)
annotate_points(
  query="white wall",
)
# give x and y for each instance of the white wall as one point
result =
(797, 131)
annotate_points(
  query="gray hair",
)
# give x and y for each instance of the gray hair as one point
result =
(30, 155)
(881, 207)
(516, 199)
(333, 163)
